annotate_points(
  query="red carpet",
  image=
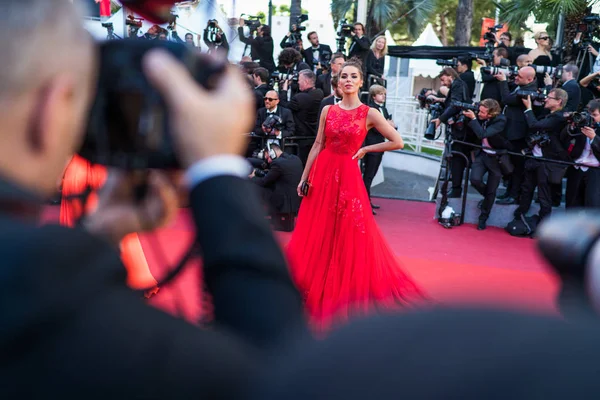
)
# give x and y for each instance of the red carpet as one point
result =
(456, 266)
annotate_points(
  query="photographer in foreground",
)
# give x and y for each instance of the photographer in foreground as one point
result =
(488, 126)
(215, 38)
(69, 321)
(583, 181)
(544, 141)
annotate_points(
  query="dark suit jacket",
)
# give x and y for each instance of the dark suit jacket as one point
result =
(553, 125)
(516, 127)
(283, 178)
(70, 323)
(494, 132)
(469, 78)
(325, 53)
(324, 83)
(458, 92)
(446, 354)
(360, 48)
(373, 136)
(574, 91)
(261, 49)
(305, 107)
(579, 145)
(491, 88)
(286, 117)
(259, 94)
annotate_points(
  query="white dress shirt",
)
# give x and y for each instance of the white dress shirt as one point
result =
(587, 158)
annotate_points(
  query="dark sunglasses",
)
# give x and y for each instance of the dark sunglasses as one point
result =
(270, 99)
(545, 38)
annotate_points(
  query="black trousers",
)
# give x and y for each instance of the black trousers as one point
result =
(486, 163)
(371, 163)
(516, 179)
(536, 174)
(583, 188)
(458, 164)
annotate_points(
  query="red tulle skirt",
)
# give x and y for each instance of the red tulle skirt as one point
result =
(79, 176)
(339, 259)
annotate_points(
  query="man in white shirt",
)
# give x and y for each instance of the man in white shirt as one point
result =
(583, 181)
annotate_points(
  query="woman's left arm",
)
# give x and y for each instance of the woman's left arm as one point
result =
(377, 121)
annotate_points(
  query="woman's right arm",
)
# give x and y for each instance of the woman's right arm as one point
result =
(316, 147)
(588, 79)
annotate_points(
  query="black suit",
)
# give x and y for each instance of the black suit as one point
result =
(492, 131)
(375, 66)
(280, 184)
(372, 161)
(468, 77)
(325, 54)
(583, 187)
(516, 131)
(261, 49)
(72, 325)
(458, 92)
(285, 115)
(574, 91)
(324, 83)
(444, 354)
(259, 94)
(360, 48)
(491, 88)
(305, 107)
(538, 173)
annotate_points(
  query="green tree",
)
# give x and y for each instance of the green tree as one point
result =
(284, 10)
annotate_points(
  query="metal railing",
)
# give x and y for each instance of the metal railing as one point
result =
(412, 123)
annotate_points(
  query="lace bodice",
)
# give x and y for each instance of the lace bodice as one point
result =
(345, 130)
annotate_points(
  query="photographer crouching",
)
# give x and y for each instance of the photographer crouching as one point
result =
(278, 178)
(544, 141)
(489, 126)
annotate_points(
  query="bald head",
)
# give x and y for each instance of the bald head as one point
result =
(273, 94)
(46, 87)
(528, 73)
(271, 100)
(525, 76)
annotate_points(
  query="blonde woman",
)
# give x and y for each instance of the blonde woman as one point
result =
(376, 57)
(541, 55)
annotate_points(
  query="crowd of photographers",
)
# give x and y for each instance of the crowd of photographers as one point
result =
(534, 125)
(290, 95)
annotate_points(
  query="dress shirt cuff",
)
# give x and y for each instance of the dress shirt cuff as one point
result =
(529, 109)
(225, 164)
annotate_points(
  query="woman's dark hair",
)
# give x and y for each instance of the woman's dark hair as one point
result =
(356, 63)
(266, 30)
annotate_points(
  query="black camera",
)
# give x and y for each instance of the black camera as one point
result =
(578, 120)
(489, 35)
(507, 71)
(108, 25)
(457, 122)
(554, 72)
(522, 94)
(212, 23)
(541, 139)
(345, 29)
(465, 106)
(129, 123)
(297, 28)
(435, 111)
(487, 57)
(423, 98)
(448, 63)
(273, 123)
(252, 22)
(278, 76)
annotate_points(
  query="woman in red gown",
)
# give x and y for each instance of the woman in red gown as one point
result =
(80, 175)
(338, 257)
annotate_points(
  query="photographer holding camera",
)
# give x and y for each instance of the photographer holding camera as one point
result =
(583, 181)
(544, 141)
(279, 180)
(272, 107)
(491, 86)
(516, 127)
(360, 45)
(290, 64)
(261, 45)
(489, 126)
(318, 55)
(69, 321)
(215, 38)
(458, 92)
(463, 67)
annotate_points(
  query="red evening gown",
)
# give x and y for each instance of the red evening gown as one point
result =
(80, 175)
(338, 257)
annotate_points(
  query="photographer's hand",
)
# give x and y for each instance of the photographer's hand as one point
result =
(548, 81)
(202, 123)
(527, 102)
(589, 132)
(501, 77)
(120, 213)
(436, 122)
(469, 114)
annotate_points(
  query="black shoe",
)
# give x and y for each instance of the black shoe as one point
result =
(454, 193)
(482, 225)
(375, 206)
(503, 195)
(480, 204)
(507, 201)
(374, 213)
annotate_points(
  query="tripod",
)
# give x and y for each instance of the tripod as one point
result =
(581, 59)
(444, 175)
(341, 44)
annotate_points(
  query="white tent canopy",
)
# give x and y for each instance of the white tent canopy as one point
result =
(426, 68)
